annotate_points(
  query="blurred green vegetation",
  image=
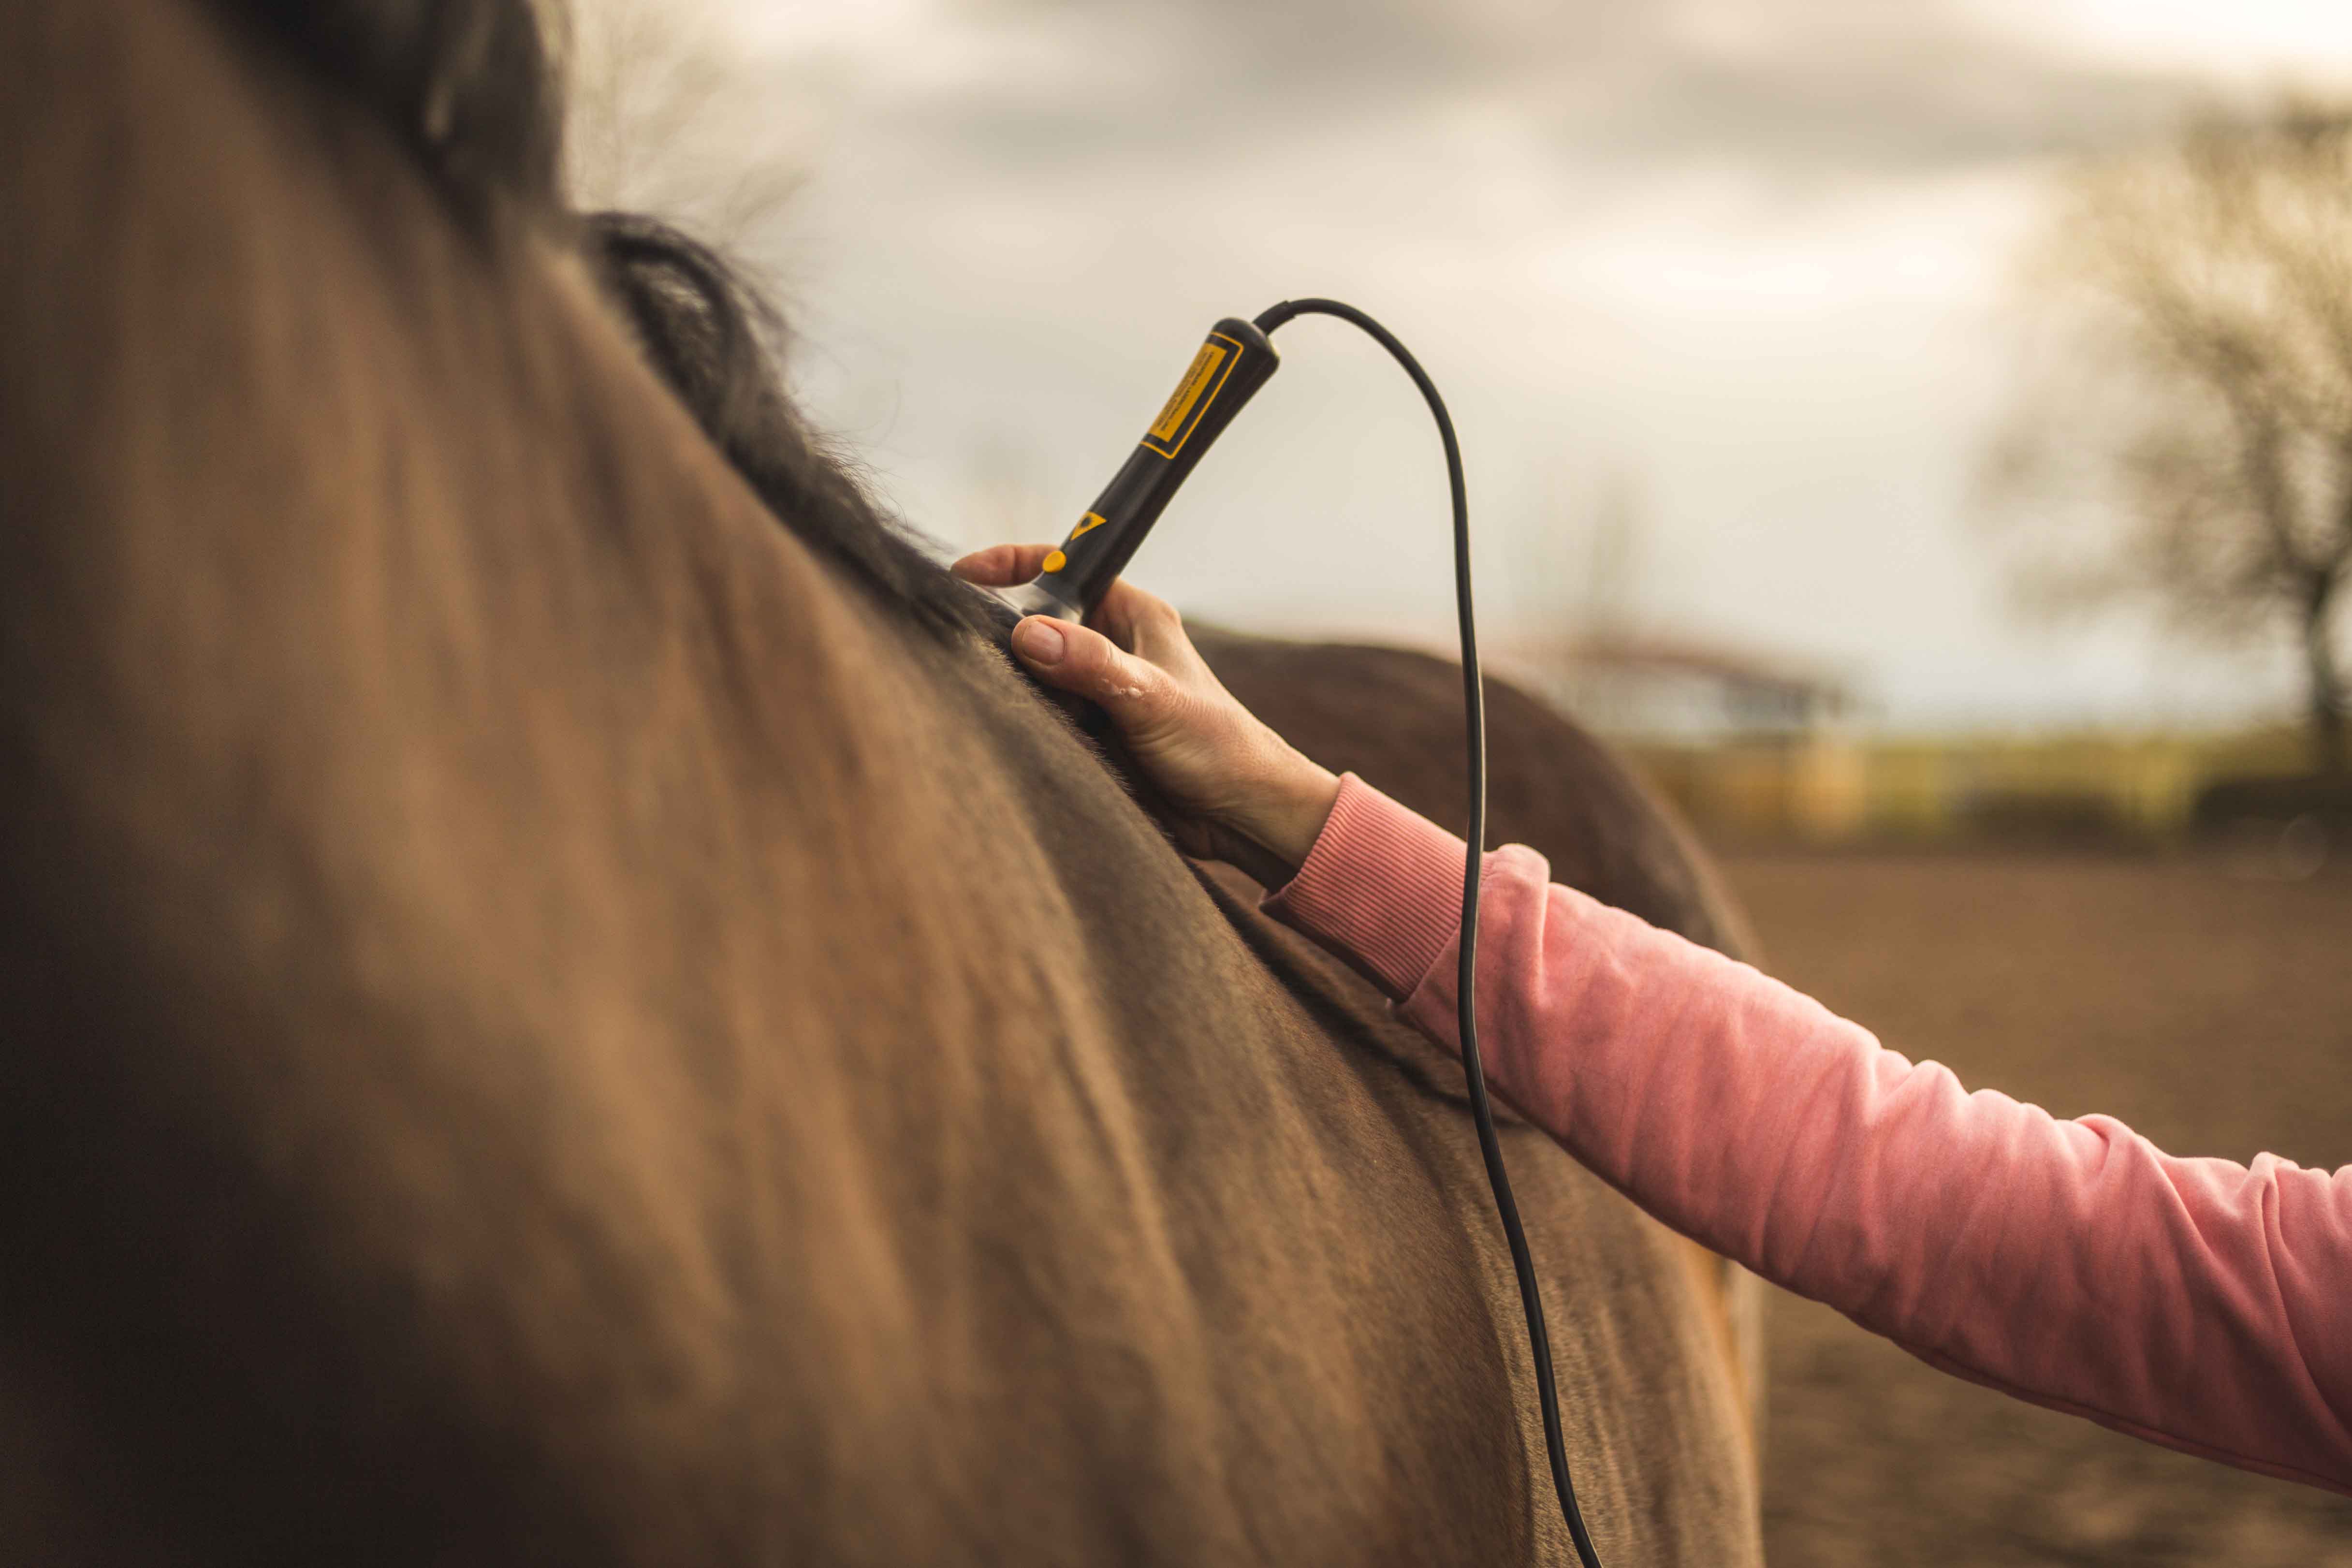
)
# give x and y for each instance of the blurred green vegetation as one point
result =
(2119, 791)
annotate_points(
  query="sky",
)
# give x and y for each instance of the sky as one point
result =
(1737, 276)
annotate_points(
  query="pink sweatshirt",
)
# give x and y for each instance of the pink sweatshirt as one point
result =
(2201, 1304)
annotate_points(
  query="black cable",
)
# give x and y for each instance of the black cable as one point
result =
(1473, 705)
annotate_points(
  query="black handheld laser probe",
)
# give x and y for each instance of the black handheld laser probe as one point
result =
(1231, 365)
(1233, 362)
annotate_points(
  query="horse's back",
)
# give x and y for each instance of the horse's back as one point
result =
(1394, 716)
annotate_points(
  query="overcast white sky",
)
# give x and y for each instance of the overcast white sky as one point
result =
(1744, 262)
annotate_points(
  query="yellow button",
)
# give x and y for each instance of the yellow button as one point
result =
(1056, 560)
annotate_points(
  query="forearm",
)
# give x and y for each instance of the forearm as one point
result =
(2195, 1303)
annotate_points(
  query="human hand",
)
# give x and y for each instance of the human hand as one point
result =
(1236, 791)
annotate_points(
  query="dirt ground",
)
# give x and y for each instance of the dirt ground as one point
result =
(2210, 1011)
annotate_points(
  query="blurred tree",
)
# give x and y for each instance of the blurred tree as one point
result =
(1619, 518)
(1573, 570)
(2190, 441)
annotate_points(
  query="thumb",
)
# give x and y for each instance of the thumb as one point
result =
(1081, 661)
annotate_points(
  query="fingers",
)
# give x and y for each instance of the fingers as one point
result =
(1081, 661)
(1002, 565)
(1137, 621)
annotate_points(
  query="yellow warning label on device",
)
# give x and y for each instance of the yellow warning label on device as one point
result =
(1087, 524)
(1193, 395)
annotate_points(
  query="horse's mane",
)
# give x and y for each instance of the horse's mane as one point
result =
(475, 90)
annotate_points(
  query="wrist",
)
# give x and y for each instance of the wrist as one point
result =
(1286, 817)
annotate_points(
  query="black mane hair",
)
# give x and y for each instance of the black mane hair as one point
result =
(472, 87)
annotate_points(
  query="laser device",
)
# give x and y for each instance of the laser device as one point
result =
(1233, 362)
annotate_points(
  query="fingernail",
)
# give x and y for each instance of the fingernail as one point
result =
(1040, 641)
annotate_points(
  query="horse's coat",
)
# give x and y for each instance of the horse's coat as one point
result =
(547, 1023)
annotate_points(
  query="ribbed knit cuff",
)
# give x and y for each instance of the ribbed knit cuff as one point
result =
(1382, 888)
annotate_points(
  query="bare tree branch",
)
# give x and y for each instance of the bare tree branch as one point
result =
(2198, 436)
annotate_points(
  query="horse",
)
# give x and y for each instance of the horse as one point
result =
(566, 1003)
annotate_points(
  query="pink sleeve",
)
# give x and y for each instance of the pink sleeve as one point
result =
(2201, 1304)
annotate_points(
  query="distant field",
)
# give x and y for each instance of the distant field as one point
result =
(2211, 1011)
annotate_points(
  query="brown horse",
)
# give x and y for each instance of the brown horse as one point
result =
(554, 1019)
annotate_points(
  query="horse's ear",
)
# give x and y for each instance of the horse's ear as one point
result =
(470, 84)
